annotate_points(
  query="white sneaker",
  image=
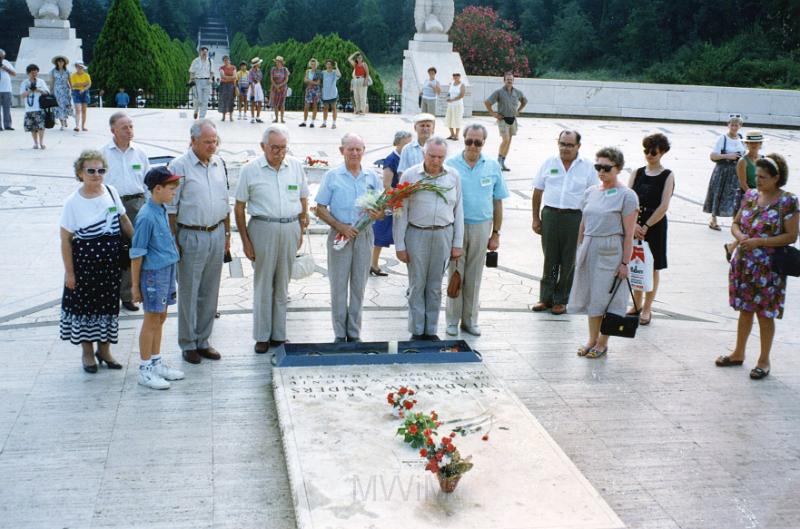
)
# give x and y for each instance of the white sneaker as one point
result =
(149, 378)
(474, 330)
(452, 330)
(167, 372)
(252, 120)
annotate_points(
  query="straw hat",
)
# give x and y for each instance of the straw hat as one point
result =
(754, 136)
(80, 64)
(256, 61)
(278, 58)
(63, 58)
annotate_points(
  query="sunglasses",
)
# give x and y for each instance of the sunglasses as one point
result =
(92, 171)
(470, 142)
(602, 167)
(651, 152)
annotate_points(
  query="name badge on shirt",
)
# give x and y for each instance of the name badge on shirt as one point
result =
(112, 209)
(293, 187)
(554, 171)
(137, 167)
(611, 192)
(486, 181)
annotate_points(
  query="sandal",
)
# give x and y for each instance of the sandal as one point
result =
(714, 227)
(757, 373)
(594, 352)
(728, 252)
(725, 361)
(645, 321)
(584, 350)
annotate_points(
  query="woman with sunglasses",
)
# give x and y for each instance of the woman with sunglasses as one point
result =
(653, 185)
(605, 243)
(767, 220)
(91, 224)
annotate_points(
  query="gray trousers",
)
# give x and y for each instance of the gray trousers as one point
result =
(470, 265)
(198, 285)
(275, 245)
(429, 253)
(348, 270)
(428, 106)
(132, 208)
(559, 243)
(202, 93)
(5, 103)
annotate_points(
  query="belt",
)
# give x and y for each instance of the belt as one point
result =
(284, 220)
(562, 210)
(202, 78)
(125, 198)
(430, 228)
(199, 228)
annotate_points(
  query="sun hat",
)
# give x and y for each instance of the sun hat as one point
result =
(754, 136)
(424, 116)
(80, 64)
(255, 61)
(278, 58)
(63, 58)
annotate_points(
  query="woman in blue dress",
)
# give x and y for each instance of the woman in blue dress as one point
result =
(60, 87)
(383, 228)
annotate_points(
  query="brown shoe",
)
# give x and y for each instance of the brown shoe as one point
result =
(261, 347)
(210, 353)
(191, 356)
(541, 307)
(558, 309)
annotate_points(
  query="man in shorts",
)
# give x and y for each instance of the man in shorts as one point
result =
(330, 94)
(510, 103)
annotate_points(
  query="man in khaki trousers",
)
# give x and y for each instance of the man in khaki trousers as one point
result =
(483, 190)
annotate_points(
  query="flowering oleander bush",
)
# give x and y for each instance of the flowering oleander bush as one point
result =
(417, 427)
(487, 43)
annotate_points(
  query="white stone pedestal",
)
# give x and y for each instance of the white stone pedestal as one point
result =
(426, 50)
(46, 39)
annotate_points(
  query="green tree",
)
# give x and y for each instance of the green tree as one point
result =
(16, 19)
(573, 41)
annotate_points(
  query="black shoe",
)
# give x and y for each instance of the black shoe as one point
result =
(377, 272)
(89, 368)
(9, 128)
(417, 337)
(110, 363)
(339, 339)
(130, 306)
(303, 124)
(311, 126)
(353, 340)
(277, 343)
(431, 337)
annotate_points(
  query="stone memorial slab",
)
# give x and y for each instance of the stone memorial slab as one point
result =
(349, 469)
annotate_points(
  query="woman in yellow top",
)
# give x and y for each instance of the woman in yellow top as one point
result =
(81, 82)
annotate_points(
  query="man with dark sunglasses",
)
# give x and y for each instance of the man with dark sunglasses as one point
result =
(482, 190)
(560, 183)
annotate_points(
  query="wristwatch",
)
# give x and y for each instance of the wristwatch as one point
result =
(496, 232)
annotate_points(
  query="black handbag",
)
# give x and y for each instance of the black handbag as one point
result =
(47, 101)
(616, 325)
(786, 261)
(491, 259)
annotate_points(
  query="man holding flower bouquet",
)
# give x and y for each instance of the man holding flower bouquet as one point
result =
(343, 202)
(428, 233)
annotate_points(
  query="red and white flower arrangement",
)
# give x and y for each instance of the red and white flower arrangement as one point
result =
(401, 400)
(418, 427)
(445, 461)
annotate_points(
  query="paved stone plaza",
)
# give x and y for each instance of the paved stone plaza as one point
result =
(667, 439)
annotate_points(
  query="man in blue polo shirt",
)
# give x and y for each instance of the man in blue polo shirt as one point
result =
(483, 190)
(348, 266)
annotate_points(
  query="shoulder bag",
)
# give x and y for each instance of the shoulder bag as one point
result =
(620, 325)
(124, 242)
(786, 259)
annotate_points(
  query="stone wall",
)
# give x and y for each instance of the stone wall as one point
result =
(654, 101)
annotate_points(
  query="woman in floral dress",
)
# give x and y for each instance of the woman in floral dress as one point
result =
(767, 220)
(60, 87)
(279, 77)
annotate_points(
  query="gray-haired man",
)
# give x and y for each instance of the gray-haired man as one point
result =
(199, 216)
(6, 73)
(428, 234)
(201, 73)
(274, 190)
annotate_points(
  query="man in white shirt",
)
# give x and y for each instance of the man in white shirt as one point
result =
(201, 73)
(6, 73)
(274, 190)
(428, 234)
(412, 153)
(561, 184)
(127, 165)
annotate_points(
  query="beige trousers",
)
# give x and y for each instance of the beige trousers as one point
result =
(464, 308)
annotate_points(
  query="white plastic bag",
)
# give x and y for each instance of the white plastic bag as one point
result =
(640, 267)
(304, 262)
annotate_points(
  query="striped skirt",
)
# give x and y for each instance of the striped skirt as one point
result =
(90, 312)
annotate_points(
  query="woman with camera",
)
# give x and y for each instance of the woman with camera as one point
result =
(724, 184)
(766, 221)
(31, 90)
(605, 244)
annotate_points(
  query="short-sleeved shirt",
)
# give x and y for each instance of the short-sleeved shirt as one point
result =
(202, 195)
(122, 99)
(603, 210)
(89, 218)
(507, 102)
(5, 77)
(152, 238)
(200, 69)
(340, 190)
(429, 89)
(126, 169)
(80, 81)
(227, 71)
(564, 189)
(32, 100)
(480, 187)
(243, 78)
(412, 154)
(729, 144)
(271, 193)
(329, 90)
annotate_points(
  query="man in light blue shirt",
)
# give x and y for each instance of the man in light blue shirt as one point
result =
(483, 190)
(349, 248)
(412, 153)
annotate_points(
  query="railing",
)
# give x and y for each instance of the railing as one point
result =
(388, 104)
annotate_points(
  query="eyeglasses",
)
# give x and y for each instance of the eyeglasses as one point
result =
(277, 148)
(469, 142)
(567, 145)
(92, 170)
(651, 152)
(602, 167)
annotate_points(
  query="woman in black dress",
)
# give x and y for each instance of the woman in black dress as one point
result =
(653, 185)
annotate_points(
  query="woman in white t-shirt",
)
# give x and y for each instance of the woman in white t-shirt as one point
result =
(453, 119)
(30, 90)
(91, 224)
(724, 183)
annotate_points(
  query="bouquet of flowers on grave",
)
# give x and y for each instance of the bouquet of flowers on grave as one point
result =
(445, 461)
(315, 162)
(390, 199)
(417, 427)
(401, 400)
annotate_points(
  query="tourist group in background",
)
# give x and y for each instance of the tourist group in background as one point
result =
(591, 222)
